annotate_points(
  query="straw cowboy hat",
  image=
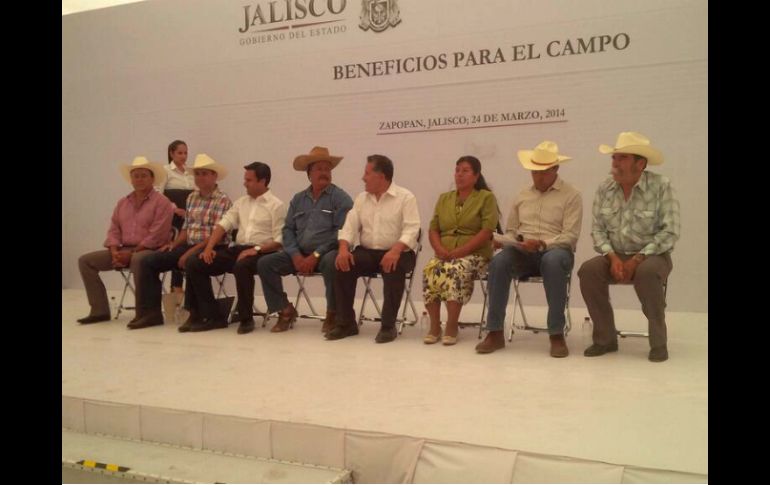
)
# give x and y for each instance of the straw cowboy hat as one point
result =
(636, 144)
(205, 162)
(316, 155)
(141, 162)
(544, 156)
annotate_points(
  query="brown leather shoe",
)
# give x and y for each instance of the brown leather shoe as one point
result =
(93, 319)
(596, 349)
(386, 334)
(149, 319)
(328, 325)
(558, 346)
(493, 341)
(342, 331)
(286, 319)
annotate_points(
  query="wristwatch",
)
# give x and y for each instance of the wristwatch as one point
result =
(317, 255)
(639, 257)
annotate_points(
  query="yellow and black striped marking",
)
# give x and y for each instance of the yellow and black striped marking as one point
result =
(103, 466)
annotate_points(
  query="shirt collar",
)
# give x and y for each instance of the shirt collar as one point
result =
(391, 190)
(309, 191)
(261, 198)
(173, 167)
(214, 193)
(149, 194)
(556, 185)
(643, 183)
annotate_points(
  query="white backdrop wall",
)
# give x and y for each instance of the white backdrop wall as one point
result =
(136, 77)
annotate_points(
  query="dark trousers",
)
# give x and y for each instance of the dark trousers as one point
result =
(199, 295)
(367, 261)
(179, 198)
(595, 279)
(152, 266)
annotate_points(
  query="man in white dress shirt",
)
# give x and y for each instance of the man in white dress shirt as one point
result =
(259, 217)
(382, 226)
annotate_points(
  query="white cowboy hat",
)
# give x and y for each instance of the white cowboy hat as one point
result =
(544, 156)
(141, 162)
(205, 162)
(636, 144)
(316, 155)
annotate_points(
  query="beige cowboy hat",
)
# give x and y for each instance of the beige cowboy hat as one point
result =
(141, 162)
(544, 156)
(636, 144)
(205, 162)
(316, 155)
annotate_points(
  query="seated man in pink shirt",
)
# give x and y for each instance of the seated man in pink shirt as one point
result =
(141, 222)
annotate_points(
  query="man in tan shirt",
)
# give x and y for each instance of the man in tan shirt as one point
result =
(540, 240)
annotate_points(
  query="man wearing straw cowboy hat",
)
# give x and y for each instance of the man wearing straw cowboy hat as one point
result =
(315, 216)
(141, 222)
(540, 239)
(635, 226)
(205, 207)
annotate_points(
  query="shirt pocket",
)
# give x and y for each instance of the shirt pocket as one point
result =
(320, 220)
(643, 224)
(609, 217)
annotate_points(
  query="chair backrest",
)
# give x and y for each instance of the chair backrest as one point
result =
(178, 196)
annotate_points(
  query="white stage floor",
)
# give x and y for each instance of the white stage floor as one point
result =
(617, 409)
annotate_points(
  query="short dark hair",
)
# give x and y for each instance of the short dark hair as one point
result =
(639, 157)
(381, 164)
(261, 170)
(173, 146)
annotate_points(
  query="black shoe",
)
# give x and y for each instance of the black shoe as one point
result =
(152, 319)
(208, 324)
(192, 319)
(386, 335)
(596, 350)
(93, 319)
(658, 354)
(246, 326)
(342, 331)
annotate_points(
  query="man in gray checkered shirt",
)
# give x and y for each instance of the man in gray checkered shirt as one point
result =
(635, 226)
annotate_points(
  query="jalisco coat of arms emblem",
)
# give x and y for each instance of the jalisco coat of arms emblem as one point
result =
(378, 15)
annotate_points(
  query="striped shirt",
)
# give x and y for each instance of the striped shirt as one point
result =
(203, 213)
(646, 223)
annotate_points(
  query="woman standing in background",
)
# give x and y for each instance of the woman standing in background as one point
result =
(180, 181)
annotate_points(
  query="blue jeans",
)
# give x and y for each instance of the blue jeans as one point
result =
(271, 267)
(554, 265)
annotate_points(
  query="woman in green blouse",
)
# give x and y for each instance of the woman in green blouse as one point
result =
(460, 233)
